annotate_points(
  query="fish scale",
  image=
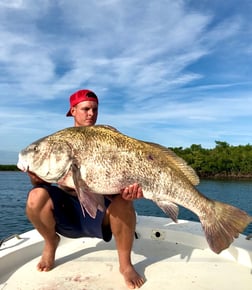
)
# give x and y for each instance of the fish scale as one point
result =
(99, 160)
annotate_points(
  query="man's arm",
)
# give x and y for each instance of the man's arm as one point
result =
(35, 180)
(131, 192)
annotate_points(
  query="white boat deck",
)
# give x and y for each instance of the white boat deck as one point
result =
(168, 255)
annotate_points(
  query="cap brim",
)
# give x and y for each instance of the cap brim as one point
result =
(69, 114)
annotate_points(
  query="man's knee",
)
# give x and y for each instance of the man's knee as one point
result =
(37, 199)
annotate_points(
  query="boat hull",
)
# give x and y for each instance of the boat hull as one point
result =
(166, 254)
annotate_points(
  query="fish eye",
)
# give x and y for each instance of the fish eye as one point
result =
(35, 148)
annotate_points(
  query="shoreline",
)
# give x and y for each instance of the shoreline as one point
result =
(218, 176)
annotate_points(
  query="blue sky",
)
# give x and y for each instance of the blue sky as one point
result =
(173, 72)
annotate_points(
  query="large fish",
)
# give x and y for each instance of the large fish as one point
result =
(99, 160)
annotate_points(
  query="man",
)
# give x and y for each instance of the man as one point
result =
(53, 210)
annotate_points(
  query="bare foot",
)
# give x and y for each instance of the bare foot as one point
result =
(48, 256)
(132, 279)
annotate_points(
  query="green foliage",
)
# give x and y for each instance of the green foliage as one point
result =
(8, 168)
(222, 161)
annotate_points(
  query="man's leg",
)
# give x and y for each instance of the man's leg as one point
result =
(39, 210)
(122, 218)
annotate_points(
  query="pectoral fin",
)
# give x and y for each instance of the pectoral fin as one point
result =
(89, 200)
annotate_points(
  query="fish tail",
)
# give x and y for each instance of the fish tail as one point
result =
(223, 225)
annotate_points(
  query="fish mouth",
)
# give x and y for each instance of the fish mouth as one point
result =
(23, 167)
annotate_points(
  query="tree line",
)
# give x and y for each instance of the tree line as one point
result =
(8, 167)
(223, 161)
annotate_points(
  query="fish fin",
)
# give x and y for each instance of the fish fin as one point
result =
(179, 163)
(226, 223)
(108, 127)
(89, 200)
(169, 208)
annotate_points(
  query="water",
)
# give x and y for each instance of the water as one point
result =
(14, 187)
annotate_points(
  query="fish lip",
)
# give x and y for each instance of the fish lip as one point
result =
(22, 167)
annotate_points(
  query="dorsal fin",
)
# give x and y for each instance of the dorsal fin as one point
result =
(108, 127)
(179, 162)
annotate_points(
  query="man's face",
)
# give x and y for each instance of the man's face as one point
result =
(85, 113)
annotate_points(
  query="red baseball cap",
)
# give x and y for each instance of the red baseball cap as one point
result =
(81, 96)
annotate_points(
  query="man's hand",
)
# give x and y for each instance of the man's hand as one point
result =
(35, 180)
(132, 192)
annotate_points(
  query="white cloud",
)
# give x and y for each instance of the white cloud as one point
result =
(11, 3)
(166, 68)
